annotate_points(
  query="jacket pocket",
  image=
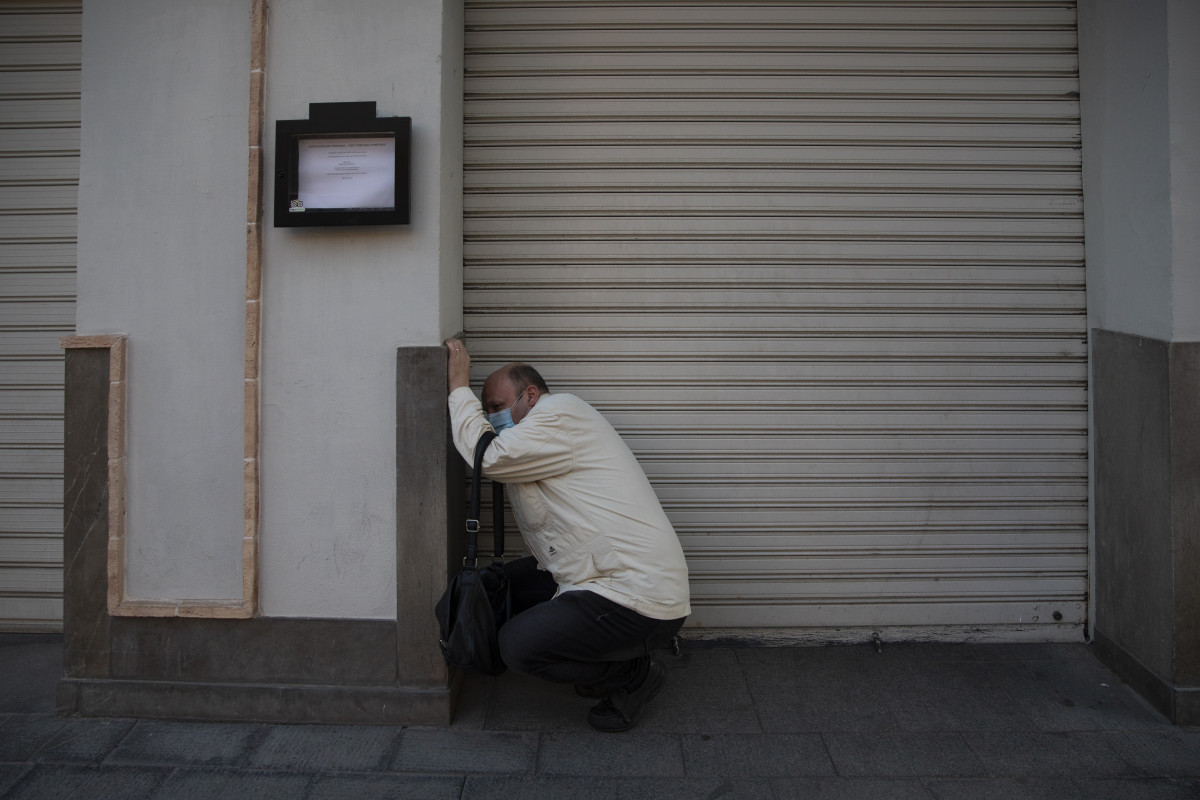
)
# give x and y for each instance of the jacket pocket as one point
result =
(530, 508)
(577, 556)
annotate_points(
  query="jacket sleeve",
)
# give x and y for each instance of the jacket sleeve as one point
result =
(538, 448)
(467, 422)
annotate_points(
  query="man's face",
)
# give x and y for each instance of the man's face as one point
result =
(499, 394)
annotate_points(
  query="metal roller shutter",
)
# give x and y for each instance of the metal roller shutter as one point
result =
(821, 263)
(40, 51)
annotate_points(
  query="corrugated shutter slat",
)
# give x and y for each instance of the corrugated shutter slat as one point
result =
(40, 51)
(821, 263)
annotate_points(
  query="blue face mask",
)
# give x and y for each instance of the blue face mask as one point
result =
(502, 419)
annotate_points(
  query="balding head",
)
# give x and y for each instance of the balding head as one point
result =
(516, 386)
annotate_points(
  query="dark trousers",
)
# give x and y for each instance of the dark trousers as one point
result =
(577, 637)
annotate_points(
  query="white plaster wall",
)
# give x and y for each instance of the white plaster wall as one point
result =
(162, 259)
(1127, 165)
(338, 302)
(1183, 26)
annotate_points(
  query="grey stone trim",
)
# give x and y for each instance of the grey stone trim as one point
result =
(264, 669)
(1146, 418)
(1185, 512)
(283, 650)
(85, 514)
(253, 702)
(429, 508)
(1157, 691)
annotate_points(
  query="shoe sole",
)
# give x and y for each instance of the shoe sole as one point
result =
(654, 690)
(590, 692)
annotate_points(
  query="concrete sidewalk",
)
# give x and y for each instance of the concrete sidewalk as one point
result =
(915, 721)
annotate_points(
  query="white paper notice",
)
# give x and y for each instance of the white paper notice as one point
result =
(347, 173)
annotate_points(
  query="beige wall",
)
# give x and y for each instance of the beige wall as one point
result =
(163, 259)
(337, 304)
(1140, 101)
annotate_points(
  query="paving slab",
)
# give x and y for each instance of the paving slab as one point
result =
(186, 744)
(1003, 789)
(540, 787)
(705, 692)
(631, 754)
(1030, 651)
(795, 691)
(849, 789)
(900, 755)
(320, 748)
(31, 665)
(209, 784)
(1168, 753)
(521, 703)
(10, 774)
(1139, 789)
(22, 736)
(1025, 754)
(757, 755)
(567, 788)
(388, 786)
(474, 698)
(67, 781)
(1075, 695)
(818, 662)
(930, 674)
(83, 741)
(927, 709)
(466, 751)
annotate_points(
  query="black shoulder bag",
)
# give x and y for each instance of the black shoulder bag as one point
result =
(478, 600)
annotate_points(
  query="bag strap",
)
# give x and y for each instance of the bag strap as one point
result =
(473, 516)
(497, 519)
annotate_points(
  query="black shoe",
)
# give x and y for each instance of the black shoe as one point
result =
(621, 709)
(591, 692)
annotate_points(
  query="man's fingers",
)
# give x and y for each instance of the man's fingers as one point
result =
(459, 362)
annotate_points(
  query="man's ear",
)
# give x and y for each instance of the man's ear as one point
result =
(535, 393)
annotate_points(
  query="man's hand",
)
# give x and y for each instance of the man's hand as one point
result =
(458, 364)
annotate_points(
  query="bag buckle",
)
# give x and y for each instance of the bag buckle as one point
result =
(472, 526)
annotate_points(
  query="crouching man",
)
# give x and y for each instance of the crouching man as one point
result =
(607, 582)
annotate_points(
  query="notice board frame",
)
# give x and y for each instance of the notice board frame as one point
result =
(341, 121)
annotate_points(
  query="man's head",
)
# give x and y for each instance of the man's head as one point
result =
(515, 386)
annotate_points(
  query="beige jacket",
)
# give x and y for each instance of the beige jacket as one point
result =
(582, 501)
